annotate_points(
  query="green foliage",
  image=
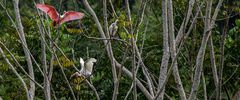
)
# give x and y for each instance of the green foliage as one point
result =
(63, 61)
(237, 22)
(11, 88)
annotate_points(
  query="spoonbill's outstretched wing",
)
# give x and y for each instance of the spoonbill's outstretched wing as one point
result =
(71, 15)
(50, 10)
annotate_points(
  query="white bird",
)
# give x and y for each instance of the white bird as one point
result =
(113, 28)
(86, 68)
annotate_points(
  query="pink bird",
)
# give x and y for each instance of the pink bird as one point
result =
(57, 19)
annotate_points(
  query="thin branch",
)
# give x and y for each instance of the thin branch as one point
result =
(15, 72)
(109, 39)
(114, 71)
(65, 77)
(133, 49)
(25, 48)
(93, 88)
(19, 65)
(185, 21)
(204, 87)
(222, 58)
(47, 88)
(127, 72)
(128, 93)
(166, 53)
(173, 51)
(15, 26)
(144, 68)
(138, 53)
(201, 53)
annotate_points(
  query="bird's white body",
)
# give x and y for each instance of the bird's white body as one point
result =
(113, 28)
(87, 66)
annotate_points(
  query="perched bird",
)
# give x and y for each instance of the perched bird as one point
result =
(86, 68)
(57, 19)
(113, 28)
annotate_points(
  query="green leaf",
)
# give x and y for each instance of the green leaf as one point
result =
(237, 22)
(123, 35)
(2, 90)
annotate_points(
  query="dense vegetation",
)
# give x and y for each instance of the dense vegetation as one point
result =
(144, 25)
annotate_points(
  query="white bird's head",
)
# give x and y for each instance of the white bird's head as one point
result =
(92, 60)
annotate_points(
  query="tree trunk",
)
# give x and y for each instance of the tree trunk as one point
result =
(173, 52)
(25, 49)
(165, 58)
(201, 53)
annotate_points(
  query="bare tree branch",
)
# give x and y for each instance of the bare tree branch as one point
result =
(143, 89)
(16, 73)
(65, 77)
(18, 64)
(166, 53)
(114, 72)
(27, 55)
(204, 86)
(185, 21)
(222, 45)
(201, 53)
(93, 88)
(173, 51)
(130, 27)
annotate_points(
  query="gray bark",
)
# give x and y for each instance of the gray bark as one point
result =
(185, 22)
(172, 43)
(111, 56)
(16, 73)
(222, 45)
(25, 48)
(165, 57)
(201, 53)
(47, 89)
(213, 64)
(118, 65)
(133, 50)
